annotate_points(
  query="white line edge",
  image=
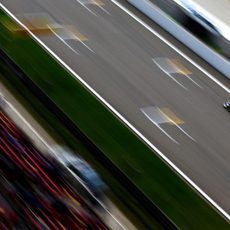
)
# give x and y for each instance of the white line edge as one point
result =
(174, 123)
(158, 126)
(82, 4)
(193, 81)
(62, 40)
(168, 74)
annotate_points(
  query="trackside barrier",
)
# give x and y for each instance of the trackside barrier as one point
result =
(161, 18)
(139, 196)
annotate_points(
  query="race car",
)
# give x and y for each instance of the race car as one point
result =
(80, 168)
(226, 105)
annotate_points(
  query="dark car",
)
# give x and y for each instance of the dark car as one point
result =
(226, 105)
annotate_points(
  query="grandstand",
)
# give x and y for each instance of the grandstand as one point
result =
(32, 190)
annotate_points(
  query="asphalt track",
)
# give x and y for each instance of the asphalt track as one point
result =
(119, 58)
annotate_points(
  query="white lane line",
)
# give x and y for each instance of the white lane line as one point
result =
(77, 38)
(168, 118)
(185, 133)
(102, 8)
(193, 81)
(168, 74)
(18, 114)
(170, 45)
(62, 40)
(221, 210)
(82, 4)
(162, 130)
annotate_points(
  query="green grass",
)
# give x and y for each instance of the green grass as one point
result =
(160, 184)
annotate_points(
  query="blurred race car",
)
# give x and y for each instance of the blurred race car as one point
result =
(226, 105)
(81, 169)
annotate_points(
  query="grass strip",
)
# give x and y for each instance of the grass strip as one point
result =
(159, 183)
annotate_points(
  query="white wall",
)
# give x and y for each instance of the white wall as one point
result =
(158, 16)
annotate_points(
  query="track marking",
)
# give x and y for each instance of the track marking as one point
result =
(87, 8)
(143, 110)
(193, 81)
(170, 116)
(179, 66)
(168, 74)
(162, 130)
(173, 117)
(75, 32)
(70, 33)
(36, 22)
(221, 210)
(181, 69)
(100, 4)
(77, 38)
(62, 40)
